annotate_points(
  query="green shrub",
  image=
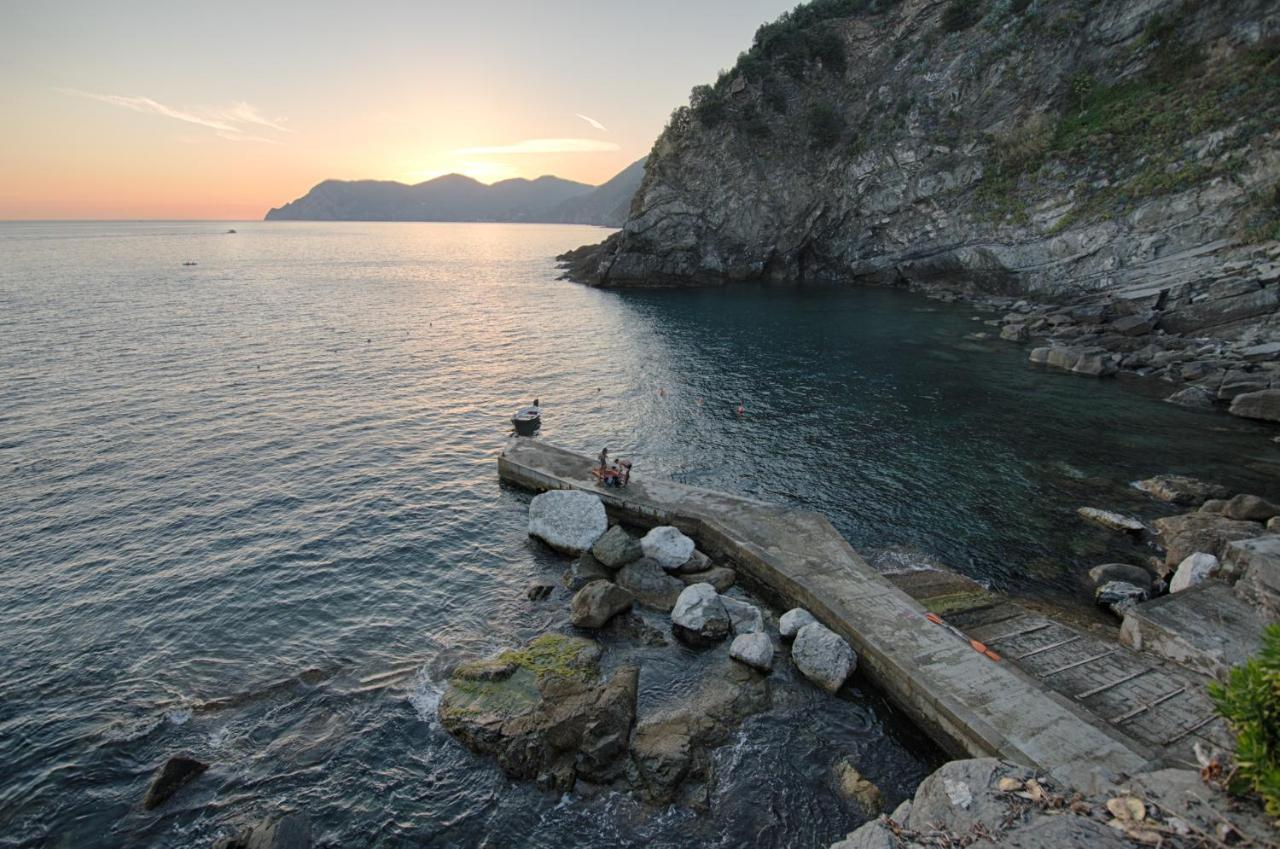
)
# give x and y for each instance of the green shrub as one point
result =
(961, 14)
(774, 95)
(826, 125)
(1250, 702)
(1264, 222)
(708, 106)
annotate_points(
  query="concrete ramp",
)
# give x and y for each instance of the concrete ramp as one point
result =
(970, 704)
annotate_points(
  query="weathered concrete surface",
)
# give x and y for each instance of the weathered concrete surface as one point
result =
(969, 704)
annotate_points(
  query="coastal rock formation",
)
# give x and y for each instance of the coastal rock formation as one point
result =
(854, 787)
(754, 649)
(1119, 157)
(1183, 536)
(666, 546)
(1193, 571)
(1264, 404)
(699, 617)
(1182, 490)
(291, 831)
(793, 620)
(543, 713)
(1119, 596)
(570, 521)
(823, 656)
(583, 570)
(650, 584)
(1250, 508)
(1134, 575)
(745, 617)
(720, 577)
(170, 778)
(1113, 521)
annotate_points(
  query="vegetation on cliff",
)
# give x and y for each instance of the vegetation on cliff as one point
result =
(1250, 702)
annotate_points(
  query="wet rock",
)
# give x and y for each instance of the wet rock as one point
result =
(633, 627)
(597, 603)
(1113, 521)
(823, 656)
(1095, 365)
(170, 778)
(583, 570)
(667, 547)
(1273, 525)
(793, 620)
(699, 617)
(1250, 508)
(616, 548)
(964, 794)
(697, 562)
(539, 590)
(1195, 397)
(755, 650)
(1120, 596)
(1015, 333)
(569, 521)
(1180, 489)
(1108, 572)
(1263, 404)
(1214, 505)
(857, 789)
(720, 577)
(292, 831)
(1193, 571)
(542, 713)
(1257, 564)
(651, 586)
(745, 618)
(670, 751)
(1183, 536)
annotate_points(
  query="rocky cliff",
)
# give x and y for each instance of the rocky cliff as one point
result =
(1117, 149)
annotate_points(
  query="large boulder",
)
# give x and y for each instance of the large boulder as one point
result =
(597, 603)
(1264, 405)
(1180, 489)
(823, 656)
(543, 713)
(667, 546)
(170, 778)
(1193, 571)
(745, 618)
(568, 520)
(1257, 563)
(699, 616)
(856, 788)
(1120, 596)
(583, 570)
(617, 548)
(649, 583)
(793, 620)
(1183, 536)
(1250, 508)
(755, 650)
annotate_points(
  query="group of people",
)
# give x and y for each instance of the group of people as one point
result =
(616, 474)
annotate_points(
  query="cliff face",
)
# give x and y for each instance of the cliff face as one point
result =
(1118, 147)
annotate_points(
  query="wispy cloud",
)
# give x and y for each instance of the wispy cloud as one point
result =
(593, 122)
(231, 123)
(542, 146)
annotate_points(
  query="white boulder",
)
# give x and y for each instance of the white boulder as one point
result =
(755, 650)
(793, 620)
(823, 656)
(568, 520)
(1194, 570)
(699, 616)
(670, 548)
(745, 618)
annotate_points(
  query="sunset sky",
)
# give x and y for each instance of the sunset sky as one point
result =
(224, 109)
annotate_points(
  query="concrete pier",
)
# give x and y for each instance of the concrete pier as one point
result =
(970, 704)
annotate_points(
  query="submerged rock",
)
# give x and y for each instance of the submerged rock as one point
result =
(699, 617)
(1180, 489)
(754, 649)
(176, 773)
(538, 590)
(597, 603)
(667, 546)
(855, 788)
(1113, 521)
(569, 521)
(617, 548)
(292, 831)
(793, 620)
(1193, 571)
(543, 713)
(823, 656)
(650, 584)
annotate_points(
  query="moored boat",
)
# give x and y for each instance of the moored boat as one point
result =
(527, 420)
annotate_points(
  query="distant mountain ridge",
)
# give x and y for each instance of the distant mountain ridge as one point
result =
(455, 197)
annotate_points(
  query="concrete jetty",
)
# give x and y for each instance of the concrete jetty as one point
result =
(969, 704)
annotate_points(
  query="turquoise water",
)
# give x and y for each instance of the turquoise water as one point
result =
(269, 479)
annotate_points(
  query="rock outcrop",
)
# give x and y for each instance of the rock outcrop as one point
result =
(176, 773)
(1118, 157)
(823, 656)
(569, 521)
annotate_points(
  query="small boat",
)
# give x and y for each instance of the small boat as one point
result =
(230, 232)
(527, 420)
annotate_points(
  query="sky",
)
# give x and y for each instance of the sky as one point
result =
(186, 110)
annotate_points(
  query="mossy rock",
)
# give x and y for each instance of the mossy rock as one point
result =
(511, 683)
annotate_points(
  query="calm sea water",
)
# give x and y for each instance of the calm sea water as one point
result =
(269, 479)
